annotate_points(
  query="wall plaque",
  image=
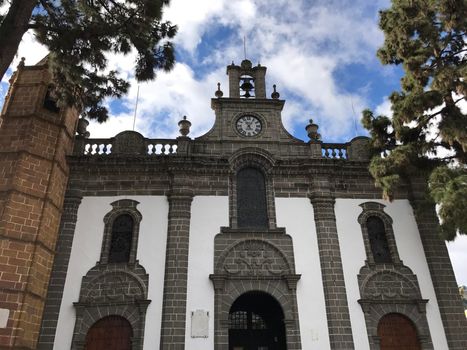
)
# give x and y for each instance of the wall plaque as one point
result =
(199, 324)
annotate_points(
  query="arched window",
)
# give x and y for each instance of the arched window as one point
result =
(397, 332)
(251, 199)
(378, 240)
(122, 236)
(111, 332)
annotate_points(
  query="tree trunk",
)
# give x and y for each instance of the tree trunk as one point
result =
(12, 29)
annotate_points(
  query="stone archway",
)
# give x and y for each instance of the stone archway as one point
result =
(256, 322)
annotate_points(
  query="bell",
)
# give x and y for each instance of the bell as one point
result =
(246, 86)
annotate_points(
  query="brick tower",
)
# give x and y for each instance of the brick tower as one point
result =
(35, 138)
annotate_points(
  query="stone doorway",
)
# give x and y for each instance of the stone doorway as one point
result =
(256, 322)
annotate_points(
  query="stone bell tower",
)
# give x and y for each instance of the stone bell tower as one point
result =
(247, 79)
(35, 138)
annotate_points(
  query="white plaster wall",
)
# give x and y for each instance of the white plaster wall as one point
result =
(86, 249)
(208, 214)
(296, 215)
(410, 251)
(353, 258)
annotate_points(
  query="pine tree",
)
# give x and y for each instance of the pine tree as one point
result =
(427, 134)
(79, 34)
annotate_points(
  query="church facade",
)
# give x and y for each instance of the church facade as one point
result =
(243, 238)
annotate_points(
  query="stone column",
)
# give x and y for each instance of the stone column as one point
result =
(176, 269)
(233, 72)
(337, 311)
(439, 264)
(59, 270)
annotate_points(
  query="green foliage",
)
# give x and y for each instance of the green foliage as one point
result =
(81, 33)
(449, 187)
(428, 131)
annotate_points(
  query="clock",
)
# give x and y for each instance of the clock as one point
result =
(248, 125)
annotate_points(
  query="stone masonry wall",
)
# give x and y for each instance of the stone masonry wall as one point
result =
(33, 175)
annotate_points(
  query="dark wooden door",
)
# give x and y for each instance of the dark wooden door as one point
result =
(109, 333)
(397, 332)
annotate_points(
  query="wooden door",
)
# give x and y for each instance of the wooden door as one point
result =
(109, 333)
(397, 332)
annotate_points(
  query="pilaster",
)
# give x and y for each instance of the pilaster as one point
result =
(439, 264)
(59, 270)
(176, 267)
(337, 311)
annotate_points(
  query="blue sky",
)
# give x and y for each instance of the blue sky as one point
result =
(321, 55)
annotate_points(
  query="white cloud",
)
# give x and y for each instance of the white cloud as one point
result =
(457, 251)
(384, 108)
(193, 19)
(163, 102)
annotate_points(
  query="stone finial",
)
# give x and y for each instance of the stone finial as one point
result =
(312, 131)
(246, 64)
(184, 125)
(275, 95)
(219, 92)
(81, 128)
(21, 63)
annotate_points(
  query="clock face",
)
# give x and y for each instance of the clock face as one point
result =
(248, 125)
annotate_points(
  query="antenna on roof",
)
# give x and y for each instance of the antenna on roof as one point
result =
(136, 108)
(354, 118)
(244, 45)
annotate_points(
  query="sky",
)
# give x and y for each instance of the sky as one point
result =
(321, 54)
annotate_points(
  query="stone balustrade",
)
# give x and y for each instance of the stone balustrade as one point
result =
(133, 143)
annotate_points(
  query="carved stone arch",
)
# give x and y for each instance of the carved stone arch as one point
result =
(89, 316)
(387, 285)
(277, 289)
(374, 209)
(390, 288)
(257, 257)
(280, 294)
(377, 311)
(260, 261)
(121, 207)
(117, 285)
(112, 289)
(252, 157)
(377, 210)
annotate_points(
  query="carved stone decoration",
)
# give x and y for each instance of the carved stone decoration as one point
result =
(248, 260)
(129, 142)
(109, 290)
(114, 286)
(389, 285)
(255, 258)
(392, 288)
